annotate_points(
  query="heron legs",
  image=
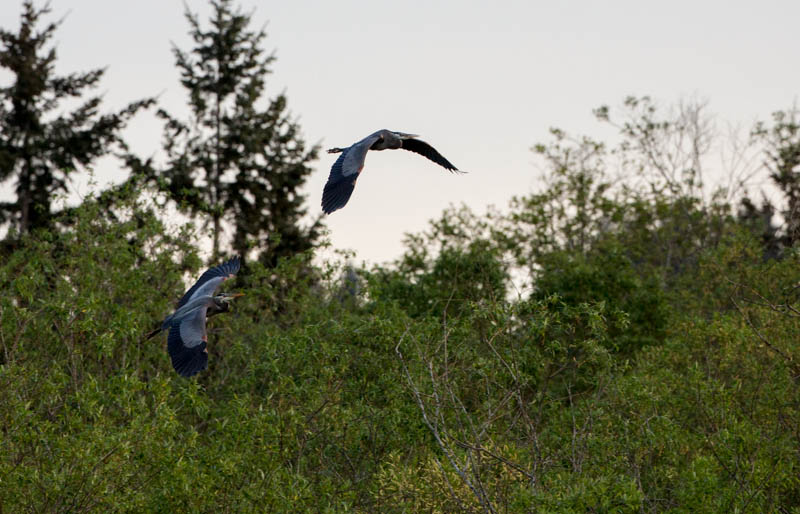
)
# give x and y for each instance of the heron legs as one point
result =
(336, 150)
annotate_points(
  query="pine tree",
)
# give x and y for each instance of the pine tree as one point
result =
(782, 140)
(39, 149)
(234, 161)
(781, 144)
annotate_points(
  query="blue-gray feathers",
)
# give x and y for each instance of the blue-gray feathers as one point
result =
(217, 272)
(187, 361)
(348, 166)
(338, 188)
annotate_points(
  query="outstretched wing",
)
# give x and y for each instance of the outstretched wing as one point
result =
(339, 186)
(344, 173)
(210, 280)
(186, 344)
(426, 150)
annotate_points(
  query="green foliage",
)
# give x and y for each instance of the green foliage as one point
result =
(447, 269)
(782, 140)
(301, 407)
(593, 349)
(607, 275)
(576, 207)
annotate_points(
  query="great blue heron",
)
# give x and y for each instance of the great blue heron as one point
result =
(187, 339)
(348, 166)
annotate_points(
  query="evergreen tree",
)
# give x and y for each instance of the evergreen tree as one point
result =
(782, 141)
(234, 160)
(38, 148)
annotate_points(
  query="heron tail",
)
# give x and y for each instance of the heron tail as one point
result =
(150, 335)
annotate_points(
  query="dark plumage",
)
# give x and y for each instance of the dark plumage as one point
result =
(338, 188)
(426, 150)
(347, 168)
(224, 271)
(187, 340)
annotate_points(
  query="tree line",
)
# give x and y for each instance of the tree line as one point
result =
(238, 161)
(622, 339)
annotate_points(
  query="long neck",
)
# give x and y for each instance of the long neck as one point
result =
(216, 307)
(201, 302)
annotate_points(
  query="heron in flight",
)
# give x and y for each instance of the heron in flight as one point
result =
(348, 166)
(187, 339)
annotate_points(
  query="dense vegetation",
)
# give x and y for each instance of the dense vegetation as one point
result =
(624, 340)
(651, 367)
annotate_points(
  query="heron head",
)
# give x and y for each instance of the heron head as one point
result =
(228, 297)
(403, 135)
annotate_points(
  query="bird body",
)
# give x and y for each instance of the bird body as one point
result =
(346, 169)
(187, 339)
(212, 304)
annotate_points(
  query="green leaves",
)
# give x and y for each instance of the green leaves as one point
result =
(430, 388)
(600, 346)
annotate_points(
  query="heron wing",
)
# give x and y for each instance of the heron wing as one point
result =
(344, 173)
(186, 344)
(353, 162)
(210, 280)
(426, 150)
(338, 188)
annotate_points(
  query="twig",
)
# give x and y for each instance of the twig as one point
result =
(500, 458)
(434, 428)
(764, 340)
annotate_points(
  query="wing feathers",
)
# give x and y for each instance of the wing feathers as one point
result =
(186, 341)
(426, 150)
(211, 279)
(187, 360)
(339, 186)
(345, 171)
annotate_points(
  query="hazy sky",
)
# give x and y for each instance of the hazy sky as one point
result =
(481, 81)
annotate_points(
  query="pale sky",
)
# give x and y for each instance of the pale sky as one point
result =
(481, 81)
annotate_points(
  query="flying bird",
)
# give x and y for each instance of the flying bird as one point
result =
(348, 166)
(187, 339)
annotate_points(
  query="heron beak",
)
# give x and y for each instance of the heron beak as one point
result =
(407, 136)
(237, 295)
